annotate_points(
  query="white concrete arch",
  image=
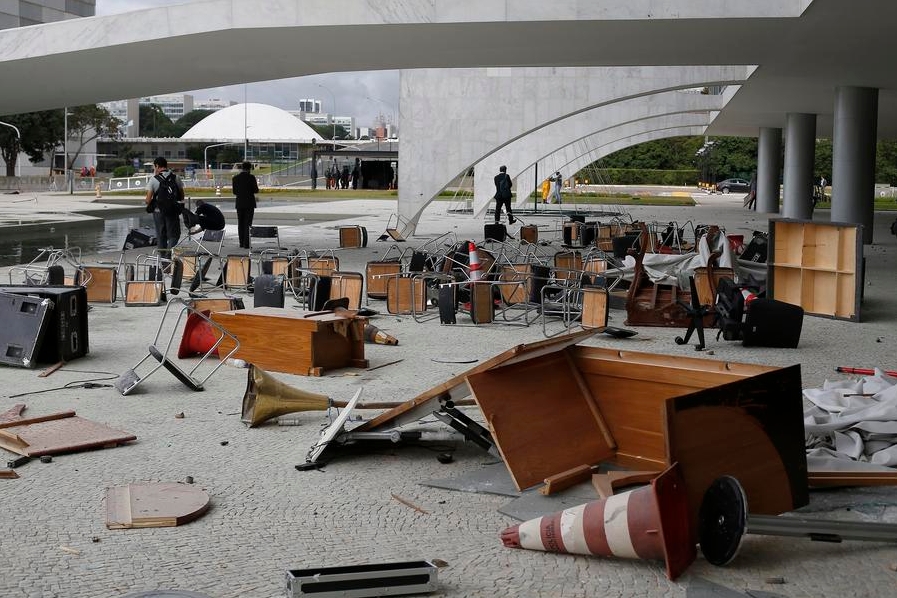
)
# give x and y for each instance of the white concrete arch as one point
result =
(615, 145)
(452, 118)
(581, 153)
(524, 151)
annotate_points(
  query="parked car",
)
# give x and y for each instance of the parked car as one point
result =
(733, 185)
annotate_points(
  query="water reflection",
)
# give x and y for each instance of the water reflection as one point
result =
(95, 237)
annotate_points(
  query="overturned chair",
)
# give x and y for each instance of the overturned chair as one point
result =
(160, 349)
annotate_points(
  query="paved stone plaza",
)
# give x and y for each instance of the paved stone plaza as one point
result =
(266, 517)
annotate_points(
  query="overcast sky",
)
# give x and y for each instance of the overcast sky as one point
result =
(350, 90)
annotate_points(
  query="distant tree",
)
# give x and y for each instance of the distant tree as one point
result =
(41, 133)
(327, 131)
(86, 123)
(195, 152)
(886, 163)
(154, 122)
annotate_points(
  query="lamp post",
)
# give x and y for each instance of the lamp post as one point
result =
(19, 142)
(69, 183)
(332, 116)
(205, 155)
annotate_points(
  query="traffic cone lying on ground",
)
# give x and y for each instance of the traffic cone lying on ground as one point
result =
(647, 523)
(476, 271)
(372, 334)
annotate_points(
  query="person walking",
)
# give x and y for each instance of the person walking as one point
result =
(165, 208)
(245, 186)
(503, 194)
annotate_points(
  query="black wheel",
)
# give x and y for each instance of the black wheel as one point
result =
(725, 190)
(722, 520)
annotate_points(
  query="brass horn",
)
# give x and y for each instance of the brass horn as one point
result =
(267, 397)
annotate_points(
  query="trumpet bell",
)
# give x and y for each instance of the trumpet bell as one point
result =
(267, 397)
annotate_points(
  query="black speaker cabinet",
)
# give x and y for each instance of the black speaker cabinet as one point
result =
(66, 337)
(25, 322)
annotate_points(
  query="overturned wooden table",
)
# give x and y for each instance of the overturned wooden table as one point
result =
(294, 342)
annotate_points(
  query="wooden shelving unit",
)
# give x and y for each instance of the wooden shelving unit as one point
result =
(817, 266)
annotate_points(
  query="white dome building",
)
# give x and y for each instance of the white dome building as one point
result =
(257, 123)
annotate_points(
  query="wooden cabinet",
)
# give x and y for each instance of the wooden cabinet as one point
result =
(295, 342)
(816, 265)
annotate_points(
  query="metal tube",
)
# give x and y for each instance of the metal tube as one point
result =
(820, 530)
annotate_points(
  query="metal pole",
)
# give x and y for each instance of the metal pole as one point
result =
(65, 151)
(536, 187)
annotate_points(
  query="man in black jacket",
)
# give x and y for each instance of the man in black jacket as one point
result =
(245, 187)
(207, 217)
(503, 195)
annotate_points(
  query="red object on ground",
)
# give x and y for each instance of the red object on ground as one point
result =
(862, 371)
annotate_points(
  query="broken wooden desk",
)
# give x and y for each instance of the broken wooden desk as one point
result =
(294, 342)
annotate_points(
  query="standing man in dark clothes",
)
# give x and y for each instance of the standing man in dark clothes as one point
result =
(503, 194)
(356, 173)
(168, 227)
(245, 187)
(207, 217)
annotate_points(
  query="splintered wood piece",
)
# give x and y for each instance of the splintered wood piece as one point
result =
(13, 414)
(58, 433)
(565, 479)
(607, 483)
(51, 369)
(852, 478)
(154, 505)
(8, 474)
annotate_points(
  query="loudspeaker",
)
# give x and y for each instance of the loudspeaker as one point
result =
(268, 291)
(25, 323)
(495, 232)
(266, 397)
(771, 323)
(140, 237)
(66, 337)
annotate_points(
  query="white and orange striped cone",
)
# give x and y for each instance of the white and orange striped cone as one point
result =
(647, 523)
(476, 270)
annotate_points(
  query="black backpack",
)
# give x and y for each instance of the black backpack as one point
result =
(168, 195)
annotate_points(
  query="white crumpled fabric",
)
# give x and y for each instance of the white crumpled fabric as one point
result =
(852, 423)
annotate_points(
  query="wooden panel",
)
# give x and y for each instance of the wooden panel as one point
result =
(323, 266)
(533, 409)
(347, 284)
(154, 505)
(213, 305)
(751, 429)
(816, 265)
(58, 433)
(529, 233)
(237, 271)
(706, 282)
(401, 291)
(568, 265)
(514, 293)
(456, 387)
(350, 236)
(102, 283)
(482, 308)
(595, 307)
(143, 292)
(377, 277)
(291, 341)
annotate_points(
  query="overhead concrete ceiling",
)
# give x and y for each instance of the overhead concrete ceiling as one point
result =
(804, 49)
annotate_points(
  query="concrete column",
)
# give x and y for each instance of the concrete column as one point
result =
(800, 153)
(853, 157)
(769, 168)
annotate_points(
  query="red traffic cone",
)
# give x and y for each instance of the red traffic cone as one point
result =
(476, 271)
(198, 337)
(748, 296)
(647, 523)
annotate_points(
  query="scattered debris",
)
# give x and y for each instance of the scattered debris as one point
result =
(17, 462)
(46, 458)
(188, 479)
(58, 433)
(154, 505)
(409, 504)
(179, 415)
(8, 474)
(224, 443)
(70, 550)
(774, 580)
